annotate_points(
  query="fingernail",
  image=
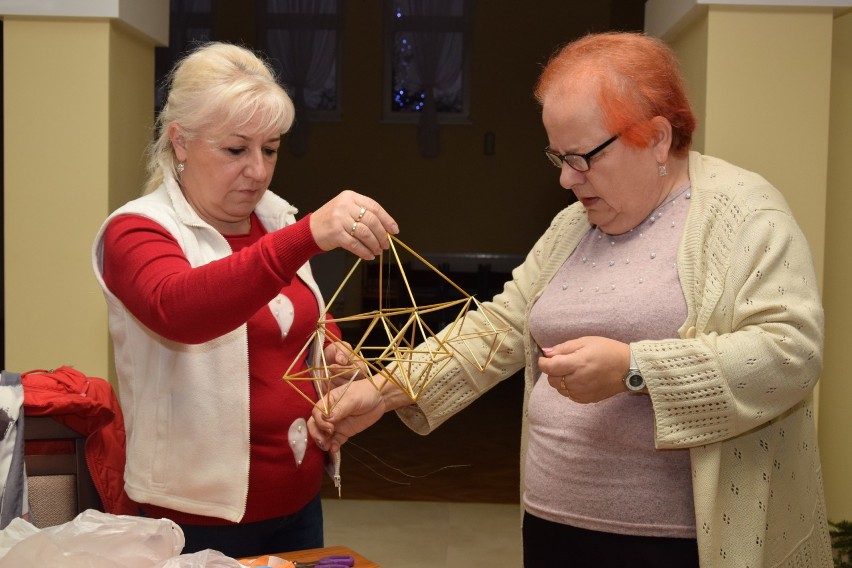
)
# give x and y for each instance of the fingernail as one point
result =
(394, 228)
(547, 351)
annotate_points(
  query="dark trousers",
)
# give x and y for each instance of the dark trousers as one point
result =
(298, 531)
(548, 545)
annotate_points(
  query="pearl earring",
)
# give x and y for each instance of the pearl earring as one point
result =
(661, 168)
(180, 168)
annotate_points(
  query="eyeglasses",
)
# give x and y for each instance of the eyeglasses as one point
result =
(579, 162)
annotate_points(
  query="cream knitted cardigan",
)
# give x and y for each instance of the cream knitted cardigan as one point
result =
(736, 388)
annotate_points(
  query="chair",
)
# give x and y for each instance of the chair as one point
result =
(59, 484)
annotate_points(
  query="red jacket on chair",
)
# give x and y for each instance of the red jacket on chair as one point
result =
(87, 405)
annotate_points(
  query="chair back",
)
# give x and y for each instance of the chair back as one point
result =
(59, 484)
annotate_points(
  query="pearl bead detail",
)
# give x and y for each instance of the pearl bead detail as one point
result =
(594, 251)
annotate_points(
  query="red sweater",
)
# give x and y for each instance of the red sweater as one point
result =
(146, 269)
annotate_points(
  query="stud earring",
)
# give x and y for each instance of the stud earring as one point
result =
(661, 169)
(180, 168)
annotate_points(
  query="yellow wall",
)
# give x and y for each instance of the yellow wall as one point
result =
(836, 385)
(131, 114)
(78, 104)
(691, 48)
(768, 76)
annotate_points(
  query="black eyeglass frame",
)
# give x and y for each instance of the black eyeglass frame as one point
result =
(581, 159)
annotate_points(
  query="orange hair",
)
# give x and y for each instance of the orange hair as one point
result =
(638, 78)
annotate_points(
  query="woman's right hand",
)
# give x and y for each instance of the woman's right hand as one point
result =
(354, 408)
(353, 222)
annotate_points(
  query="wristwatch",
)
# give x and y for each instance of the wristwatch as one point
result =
(633, 380)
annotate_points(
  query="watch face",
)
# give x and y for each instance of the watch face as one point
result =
(635, 382)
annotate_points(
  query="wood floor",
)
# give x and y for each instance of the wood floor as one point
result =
(472, 458)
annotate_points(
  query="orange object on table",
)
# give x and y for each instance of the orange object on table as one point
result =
(271, 561)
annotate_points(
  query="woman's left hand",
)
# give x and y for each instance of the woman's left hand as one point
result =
(587, 369)
(342, 364)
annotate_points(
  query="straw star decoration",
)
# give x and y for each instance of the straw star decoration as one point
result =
(410, 352)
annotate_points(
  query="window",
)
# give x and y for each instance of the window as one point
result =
(427, 64)
(302, 40)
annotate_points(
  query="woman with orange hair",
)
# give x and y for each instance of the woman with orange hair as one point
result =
(671, 330)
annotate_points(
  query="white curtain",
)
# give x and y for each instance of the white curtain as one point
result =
(437, 59)
(305, 48)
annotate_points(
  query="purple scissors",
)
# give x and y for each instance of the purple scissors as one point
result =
(336, 561)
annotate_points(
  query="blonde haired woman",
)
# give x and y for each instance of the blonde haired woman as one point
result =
(211, 300)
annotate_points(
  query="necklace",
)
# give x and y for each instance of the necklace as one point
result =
(655, 214)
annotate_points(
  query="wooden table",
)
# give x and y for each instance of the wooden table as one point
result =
(317, 553)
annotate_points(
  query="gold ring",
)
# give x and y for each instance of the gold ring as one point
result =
(361, 213)
(562, 382)
(352, 230)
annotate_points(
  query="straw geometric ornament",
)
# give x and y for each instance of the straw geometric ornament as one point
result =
(409, 352)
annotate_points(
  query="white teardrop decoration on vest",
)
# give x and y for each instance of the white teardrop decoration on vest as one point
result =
(283, 311)
(298, 437)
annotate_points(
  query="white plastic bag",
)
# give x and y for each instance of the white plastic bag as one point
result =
(202, 559)
(15, 532)
(99, 540)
